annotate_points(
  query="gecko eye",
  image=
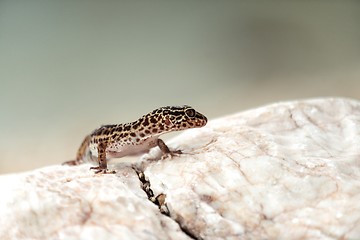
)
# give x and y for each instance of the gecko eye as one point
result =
(190, 112)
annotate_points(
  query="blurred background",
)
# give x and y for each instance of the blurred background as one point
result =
(66, 67)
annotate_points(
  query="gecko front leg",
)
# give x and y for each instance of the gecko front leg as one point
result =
(102, 168)
(166, 151)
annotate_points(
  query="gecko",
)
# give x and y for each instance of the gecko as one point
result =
(119, 140)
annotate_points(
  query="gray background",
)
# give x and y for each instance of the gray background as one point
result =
(68, 66)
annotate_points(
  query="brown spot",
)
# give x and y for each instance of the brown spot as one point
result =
(133, 134)
(207, 198)
(155, 130)
(136, 125)
(147, 131)
(184, 125)
(178, 113)
(153, 120)
(127, 128)
(125, 134)
(142, 135)
(161, 127)
(146, 122)
(119, 129)
(138, 140)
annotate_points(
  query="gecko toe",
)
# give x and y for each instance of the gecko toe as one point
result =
(99, 170)
(171, 154)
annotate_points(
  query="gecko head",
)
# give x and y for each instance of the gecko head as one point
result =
(182, 117)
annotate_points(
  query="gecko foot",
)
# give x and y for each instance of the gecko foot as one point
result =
(167, 153)
(171, 154)
(99, 170)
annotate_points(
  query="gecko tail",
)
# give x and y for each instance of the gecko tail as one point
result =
(81, 153)
(73, 162)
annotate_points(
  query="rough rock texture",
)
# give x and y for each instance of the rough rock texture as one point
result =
(284, 171)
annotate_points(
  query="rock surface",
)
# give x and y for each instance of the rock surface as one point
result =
(284, 171)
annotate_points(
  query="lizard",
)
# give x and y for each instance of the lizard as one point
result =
(119, 140)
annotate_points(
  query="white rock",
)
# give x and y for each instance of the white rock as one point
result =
(62, 202)
(284, 171)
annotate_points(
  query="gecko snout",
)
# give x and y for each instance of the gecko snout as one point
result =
(200, 120)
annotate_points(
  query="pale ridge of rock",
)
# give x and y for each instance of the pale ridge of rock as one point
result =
(284, 171)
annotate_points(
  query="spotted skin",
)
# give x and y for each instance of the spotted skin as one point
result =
(119, 140)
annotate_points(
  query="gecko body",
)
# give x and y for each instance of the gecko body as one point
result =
(119, 140)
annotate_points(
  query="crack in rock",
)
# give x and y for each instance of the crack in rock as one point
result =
(160, 201)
